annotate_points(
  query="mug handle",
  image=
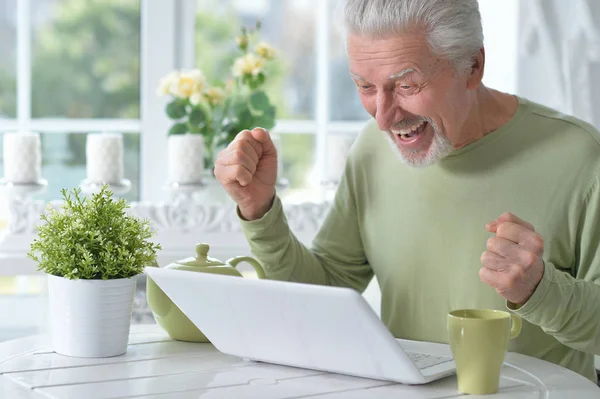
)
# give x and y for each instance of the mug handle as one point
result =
(516, 323)
(260, 272)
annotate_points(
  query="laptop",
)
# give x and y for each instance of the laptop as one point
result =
(324, 328)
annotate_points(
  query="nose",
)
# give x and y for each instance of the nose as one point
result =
(388, 112)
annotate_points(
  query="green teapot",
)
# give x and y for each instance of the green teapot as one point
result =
(168, 315)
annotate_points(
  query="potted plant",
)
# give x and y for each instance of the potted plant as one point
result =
(208, 115)
(91, 250)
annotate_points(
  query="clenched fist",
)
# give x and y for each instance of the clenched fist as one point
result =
(513, 262)
(247, 169)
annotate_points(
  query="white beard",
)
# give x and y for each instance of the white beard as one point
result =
(440, 148)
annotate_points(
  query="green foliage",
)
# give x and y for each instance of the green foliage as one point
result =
(215, 49)
(259, 101)
(86, 60)
(179, 128)
(93, 238)
(203, 104)
(8, 91)
(298, 157)
(197, 117)
(246, 112)
(85, 64)
(176, 109)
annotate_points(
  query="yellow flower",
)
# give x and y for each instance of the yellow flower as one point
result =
(196, 98)
(265, 51)
(215, 95)
(248, 64)
(188, 83)
(164, 87)
(242, 41)
(229, 85)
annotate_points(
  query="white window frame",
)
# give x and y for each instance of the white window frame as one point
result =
(167, 43)
(158, 55)
(24, 120)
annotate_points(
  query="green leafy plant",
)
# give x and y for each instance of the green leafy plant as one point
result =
(219, 111)
(92, 238)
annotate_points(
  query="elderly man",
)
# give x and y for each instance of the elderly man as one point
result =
(454, 196)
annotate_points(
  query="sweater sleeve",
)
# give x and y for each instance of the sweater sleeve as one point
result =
(568, 306)
(336, 256)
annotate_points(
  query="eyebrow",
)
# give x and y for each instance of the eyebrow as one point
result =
(400, 74)
(393, 76)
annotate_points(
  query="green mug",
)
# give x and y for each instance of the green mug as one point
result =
(479, 341)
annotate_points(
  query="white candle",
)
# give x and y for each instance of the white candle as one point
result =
(186, 158)
(104, 157)
(22, 157)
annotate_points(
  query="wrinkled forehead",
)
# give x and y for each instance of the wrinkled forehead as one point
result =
(392, 57)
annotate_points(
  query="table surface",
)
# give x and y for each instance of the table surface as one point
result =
(157, 367)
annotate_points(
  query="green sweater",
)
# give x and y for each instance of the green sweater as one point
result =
(421, 232)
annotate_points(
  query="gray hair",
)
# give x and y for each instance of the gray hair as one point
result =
(453, 26)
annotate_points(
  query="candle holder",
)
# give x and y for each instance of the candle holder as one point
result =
(207, 191)
(190, 188)
(184, 188)
(184, 191)
(23, 190)
(119, 188)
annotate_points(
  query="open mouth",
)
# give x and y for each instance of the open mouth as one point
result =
(410, 133)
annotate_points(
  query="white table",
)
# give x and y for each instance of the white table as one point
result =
(157, 367)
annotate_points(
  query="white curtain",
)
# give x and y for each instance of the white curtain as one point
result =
(559, 55)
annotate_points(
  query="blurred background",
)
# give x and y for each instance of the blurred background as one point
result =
(71, 67)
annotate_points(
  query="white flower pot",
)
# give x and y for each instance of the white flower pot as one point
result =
(90, 318)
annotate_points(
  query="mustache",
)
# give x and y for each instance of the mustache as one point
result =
(411, 122)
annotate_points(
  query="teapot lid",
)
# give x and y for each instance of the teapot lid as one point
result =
(202, 259)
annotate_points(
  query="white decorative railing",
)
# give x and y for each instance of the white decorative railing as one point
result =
(179, 225)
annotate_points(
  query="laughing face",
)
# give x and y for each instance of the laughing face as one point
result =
(414, 95)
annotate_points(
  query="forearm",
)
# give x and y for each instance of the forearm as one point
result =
(329, 261)
(566, 308)
(282, 255)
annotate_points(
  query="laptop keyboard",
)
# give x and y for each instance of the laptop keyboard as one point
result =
(423, 360)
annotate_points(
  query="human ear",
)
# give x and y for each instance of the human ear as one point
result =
(476, 72)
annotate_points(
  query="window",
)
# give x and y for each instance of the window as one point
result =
(78, 69)
(67, 68)
(81, 69)
(8, 78)
(318, 110)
